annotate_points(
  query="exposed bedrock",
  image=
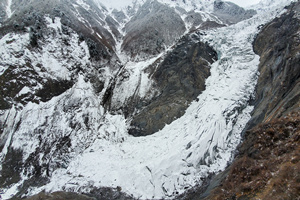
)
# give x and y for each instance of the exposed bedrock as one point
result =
(231, 13)
(154, 27)
(180, 79)
(278, 87)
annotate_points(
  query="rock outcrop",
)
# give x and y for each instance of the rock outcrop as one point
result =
(73, 14)
(230, 13)
(278, 87)
(154, 27)
(95, 194)
(180, 79)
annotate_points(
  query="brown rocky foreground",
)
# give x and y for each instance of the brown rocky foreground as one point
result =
(267, 166)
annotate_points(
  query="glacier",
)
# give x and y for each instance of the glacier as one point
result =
(101, 153)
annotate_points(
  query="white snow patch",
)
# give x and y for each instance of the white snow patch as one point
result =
(12, 47)
(12, 190)
(8, 9)
(115, 4)
(99, 35)
(53, 23)
(24, 90)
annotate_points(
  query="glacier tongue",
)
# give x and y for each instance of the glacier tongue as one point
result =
(98, 152)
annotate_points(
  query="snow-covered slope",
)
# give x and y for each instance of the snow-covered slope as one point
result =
(72, 141)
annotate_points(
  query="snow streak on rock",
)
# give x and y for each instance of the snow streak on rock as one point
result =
(8, 9)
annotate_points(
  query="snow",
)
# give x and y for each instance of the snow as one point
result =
(12, 46)
(54, 53)
(8, 9)
(83, 4)
(55, 23)
(244, 3)
(102, 154)
(11, 191)
(135, 82)
(55, 57)
(115, 4)
(24, 90)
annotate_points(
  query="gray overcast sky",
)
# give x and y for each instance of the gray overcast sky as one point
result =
(244, 2)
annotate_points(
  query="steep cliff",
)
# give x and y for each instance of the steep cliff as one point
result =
(278, 87)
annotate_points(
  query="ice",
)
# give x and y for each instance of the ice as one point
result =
(102, 154)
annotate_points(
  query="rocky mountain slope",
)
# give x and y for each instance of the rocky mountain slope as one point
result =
(267, 166)
(80, 80)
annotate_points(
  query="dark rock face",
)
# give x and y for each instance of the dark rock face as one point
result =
(53, 88)
(11, 168)
(210, 25)
(109, 193)
(31, 16)
(28, 75)
(60, 196)
(231, 13)
(154, 26)
(95, 194)
(119, 16)
(180, 79)
(113, 26)
(278, 88)
(10, 88)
